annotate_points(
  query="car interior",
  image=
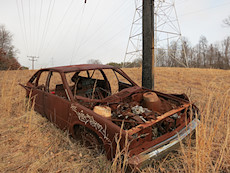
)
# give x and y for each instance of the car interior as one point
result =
(90, 87)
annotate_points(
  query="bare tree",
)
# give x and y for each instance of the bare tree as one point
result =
(185, 49)
(5, 39)
(172, 54)
(226, 51)
(7, 50)
(137, 62)
(161, 57)
(94, 61)
(227, 21)
(203, 44)
(210, 55)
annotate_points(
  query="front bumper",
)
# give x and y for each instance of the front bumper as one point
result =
(157, 151)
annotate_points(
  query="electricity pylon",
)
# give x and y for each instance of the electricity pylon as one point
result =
(166, 31)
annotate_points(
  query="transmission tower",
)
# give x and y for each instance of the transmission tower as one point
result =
(166, 31)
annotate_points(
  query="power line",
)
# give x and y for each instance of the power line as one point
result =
(111, 38)
(49, 20)
(76, 39)
(34, 27)
(24, 23)
(57, 46)
(61, 21)
(39, 26)
(20, 21)
(101, 26)
(48, 16)
(83, 36)
(204, 9)
(30, 25)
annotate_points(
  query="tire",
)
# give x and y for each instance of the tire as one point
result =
(89, 139)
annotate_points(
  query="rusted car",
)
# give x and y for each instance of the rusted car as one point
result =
(93, 102)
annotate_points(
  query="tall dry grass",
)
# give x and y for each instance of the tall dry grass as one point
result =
(29, 143)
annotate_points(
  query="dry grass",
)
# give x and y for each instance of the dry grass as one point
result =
(29, 143)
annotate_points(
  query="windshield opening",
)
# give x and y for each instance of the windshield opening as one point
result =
(96, 84)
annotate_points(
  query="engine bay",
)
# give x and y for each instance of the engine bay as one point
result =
(134, 106)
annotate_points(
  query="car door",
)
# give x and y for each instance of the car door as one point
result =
(35, 90)
(57, 104)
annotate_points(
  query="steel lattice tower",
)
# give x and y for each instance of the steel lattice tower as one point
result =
(166, 30)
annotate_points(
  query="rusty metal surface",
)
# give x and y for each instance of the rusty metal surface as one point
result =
(79, 67)
(149, 121)
(159, 150)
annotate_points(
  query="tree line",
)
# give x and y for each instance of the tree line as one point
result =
(202, 55)
(183, 54)
(7, 51)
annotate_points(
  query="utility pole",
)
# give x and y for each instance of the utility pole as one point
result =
(148, 44)
(32, 59)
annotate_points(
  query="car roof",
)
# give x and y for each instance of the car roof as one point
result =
(81, 67)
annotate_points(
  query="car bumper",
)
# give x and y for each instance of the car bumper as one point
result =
(157, 151)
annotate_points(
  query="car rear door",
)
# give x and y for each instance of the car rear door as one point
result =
(35, 90)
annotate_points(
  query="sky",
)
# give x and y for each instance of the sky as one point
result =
(64, 32)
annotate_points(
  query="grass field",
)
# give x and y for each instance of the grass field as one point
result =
(29, 143)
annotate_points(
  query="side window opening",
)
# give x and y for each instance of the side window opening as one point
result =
(90, 84)
(56, 86)
(42, 78)
(117, 81)
(34, 79)
(122, 82)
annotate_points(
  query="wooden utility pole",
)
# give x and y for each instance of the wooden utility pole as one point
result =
(148, 44)
(32, 58)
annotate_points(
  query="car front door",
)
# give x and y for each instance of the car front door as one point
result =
(57, 104)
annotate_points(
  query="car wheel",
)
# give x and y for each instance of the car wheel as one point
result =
(89, 139)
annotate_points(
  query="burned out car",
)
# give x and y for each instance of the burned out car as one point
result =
(98, 102)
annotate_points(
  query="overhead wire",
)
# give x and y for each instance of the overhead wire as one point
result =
(101, 26)
(22, 30)
(204, 9)
(24, 24)
(86, 30)
(43, 33)
(39, 26)
(34, 26)
(64, 34)
(45, 27)
(48, 17)
(76, 38)
(106, 21)
(59, 24)
(181, 2)
(30, 27)
(49, 21)
(111, 38)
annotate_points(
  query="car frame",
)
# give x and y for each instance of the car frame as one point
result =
(70, 112)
